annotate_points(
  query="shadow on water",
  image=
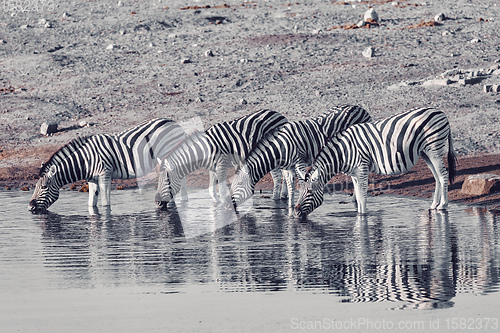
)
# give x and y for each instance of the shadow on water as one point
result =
(423, 261)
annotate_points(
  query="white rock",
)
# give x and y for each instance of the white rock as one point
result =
(371, 14)
(65, 14)
(394, 3)
(209, 53)
(185, 61)
(83, 123)
(119, 4)
(42, 21)
(440, 17)
(437, 82)
(123, 32)
(48, 128)
(111, 46)
(475, 41)
(243, 101)
(2, 41)
(368, 52)
(48, 25)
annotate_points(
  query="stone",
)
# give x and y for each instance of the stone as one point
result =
(440, 17)
(185, 61)
(475, 41)
(368, 52)
(243, 101)
(371, 14)
(111, 46)
(83, 123)
(481, 184)
(437, 82)
(48, 128)
(209, 53)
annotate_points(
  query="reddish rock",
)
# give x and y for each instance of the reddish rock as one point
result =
(481, 184)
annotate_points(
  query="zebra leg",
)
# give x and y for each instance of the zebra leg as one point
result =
(442, 179)
(437, 190)
(184, 192)
(221, 172)
(93, 193)
(284, 188)
(276, 175)
(105, 188)
(212, 186)
(289, 176)
(361, 188)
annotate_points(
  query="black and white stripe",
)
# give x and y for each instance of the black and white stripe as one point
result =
(100, 158)
(215, 149)
(292, 148)
(389, 147)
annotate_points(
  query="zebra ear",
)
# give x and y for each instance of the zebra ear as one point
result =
(315, 176)
(52, 171)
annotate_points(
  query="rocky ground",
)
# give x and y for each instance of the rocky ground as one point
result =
(113, 64)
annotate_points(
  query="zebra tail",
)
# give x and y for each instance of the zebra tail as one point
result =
(452, 160)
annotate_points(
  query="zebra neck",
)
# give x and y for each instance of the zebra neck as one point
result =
(265, 157)
(191, 155)
(332, 159)
(67, 172)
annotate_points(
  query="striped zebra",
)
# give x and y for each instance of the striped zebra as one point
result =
(389, 147)
(291, 148)
(215, 149)
(100, 158)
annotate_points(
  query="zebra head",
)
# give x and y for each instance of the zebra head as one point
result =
(241, 186)
(46, 191)
(169, 184)
(310, 194)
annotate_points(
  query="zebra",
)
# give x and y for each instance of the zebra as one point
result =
(100, 158)
(390, 146)
(291, 148)
(215, 149)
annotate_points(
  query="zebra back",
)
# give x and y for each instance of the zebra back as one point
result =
(139, 148)
(341, 117)
(236, 138)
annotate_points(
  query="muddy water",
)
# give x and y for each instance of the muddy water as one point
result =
(401, 254)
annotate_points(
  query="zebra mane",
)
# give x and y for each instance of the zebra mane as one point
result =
(63, 152)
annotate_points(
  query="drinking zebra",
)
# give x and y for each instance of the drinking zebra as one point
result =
(100, 158)
(292, 147)
(215, 149)
(389, 147)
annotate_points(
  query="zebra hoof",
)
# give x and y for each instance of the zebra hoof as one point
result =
(442, 207)
(434, 205)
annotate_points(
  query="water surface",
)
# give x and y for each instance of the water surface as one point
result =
(400, 257)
